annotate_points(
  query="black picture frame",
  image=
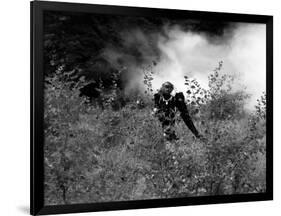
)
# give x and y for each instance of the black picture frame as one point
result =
(37, 136)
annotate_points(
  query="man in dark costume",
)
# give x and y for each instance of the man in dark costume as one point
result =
(166, 106)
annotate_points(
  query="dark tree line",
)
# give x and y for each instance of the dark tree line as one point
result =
(77, 40)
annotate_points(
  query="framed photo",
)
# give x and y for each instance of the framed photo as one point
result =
(141, 107)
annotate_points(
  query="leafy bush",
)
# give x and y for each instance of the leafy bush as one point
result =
(99, 154)
(261, 107)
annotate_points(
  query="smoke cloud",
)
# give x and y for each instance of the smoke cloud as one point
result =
(181, 52)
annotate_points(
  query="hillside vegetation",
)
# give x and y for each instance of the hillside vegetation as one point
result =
(113, 149)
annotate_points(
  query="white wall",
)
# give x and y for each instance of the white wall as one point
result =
(14, 109)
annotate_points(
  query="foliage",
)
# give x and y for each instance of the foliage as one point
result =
(220, 101)
(261, 107)
(63, 107)
(99, 154)
(225, 102)
(147, 79)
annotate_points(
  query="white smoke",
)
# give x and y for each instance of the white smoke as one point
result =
(179, 53)
(192, 54)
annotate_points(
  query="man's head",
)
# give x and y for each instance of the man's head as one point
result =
(167, 88)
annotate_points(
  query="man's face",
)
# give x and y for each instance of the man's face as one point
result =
(167, 89)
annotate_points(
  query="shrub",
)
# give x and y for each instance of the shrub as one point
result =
(99, 154)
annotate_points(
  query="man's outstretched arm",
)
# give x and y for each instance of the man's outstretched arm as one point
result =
(184, 114)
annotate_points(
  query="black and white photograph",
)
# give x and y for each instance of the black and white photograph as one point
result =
(139, 108)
